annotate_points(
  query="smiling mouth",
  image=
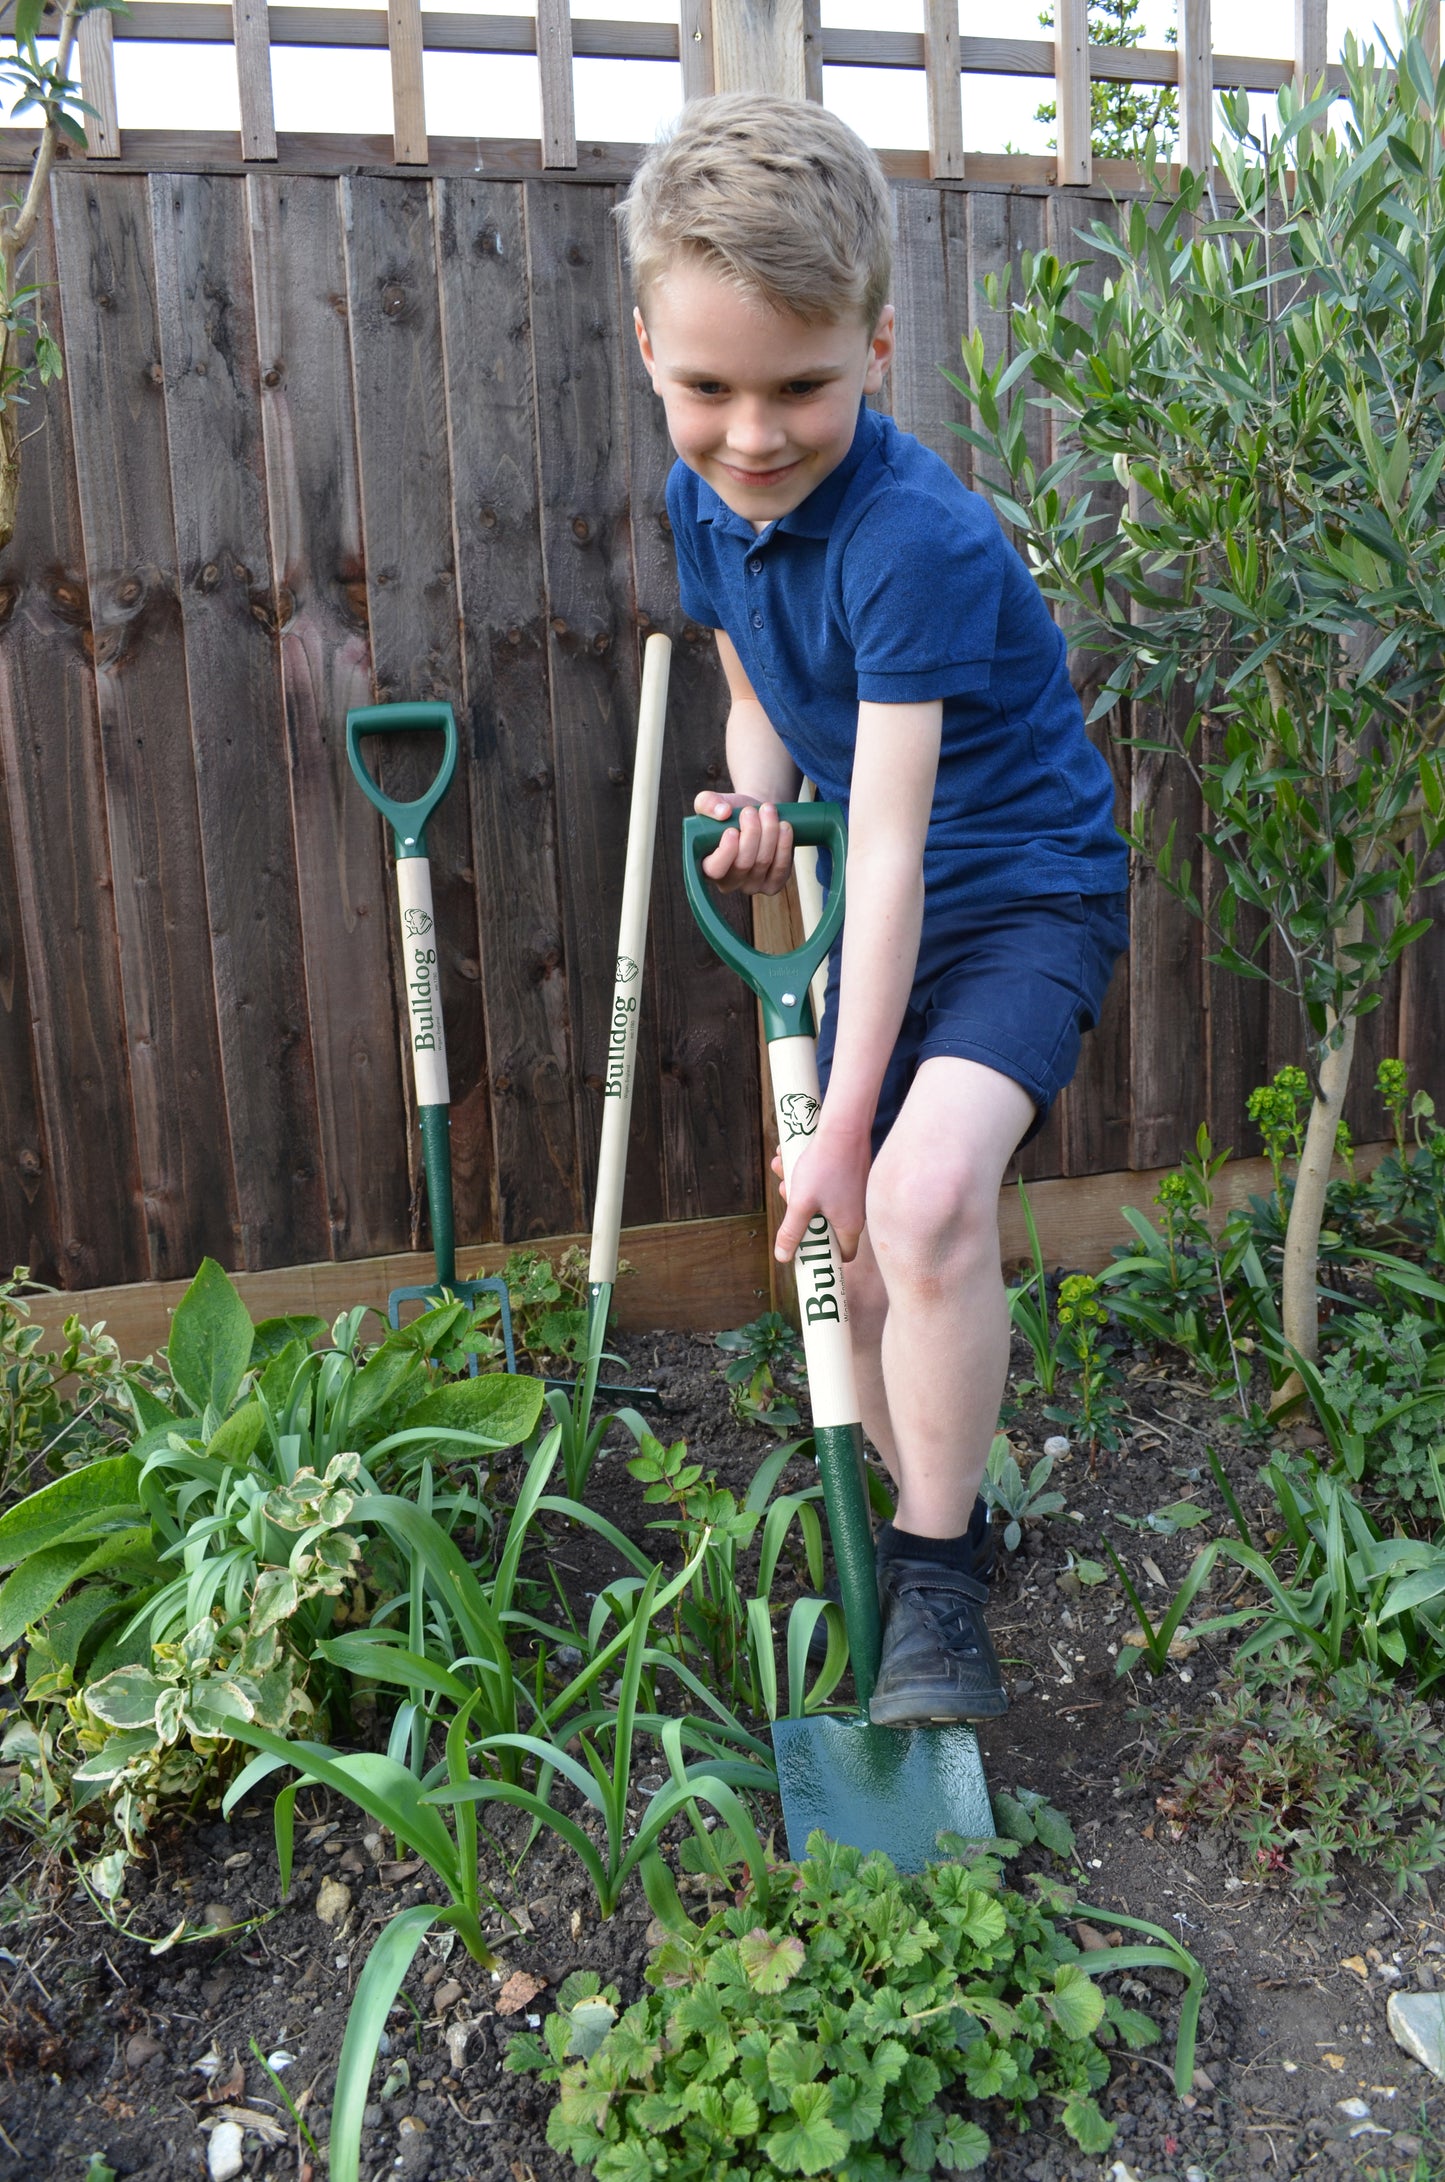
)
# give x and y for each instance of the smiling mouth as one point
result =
(760, 477)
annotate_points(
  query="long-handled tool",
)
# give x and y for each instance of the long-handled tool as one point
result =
(426, 1036)
(872, 1787)
(620, 1069)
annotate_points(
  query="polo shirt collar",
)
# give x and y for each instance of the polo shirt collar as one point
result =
(813, 517)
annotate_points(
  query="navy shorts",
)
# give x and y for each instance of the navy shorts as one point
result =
(1015, 988)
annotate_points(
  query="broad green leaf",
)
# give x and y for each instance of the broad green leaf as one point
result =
(49, 1516)
(811, 2143)
(270, 1335)
(239, 1436)
(1076, 2003)
(770, 1964)
(116, 1754)
(127, 1698)
(501, 1407)
(42, 1577)
(1086, 2125)
(590, 2021)
(211, 1340)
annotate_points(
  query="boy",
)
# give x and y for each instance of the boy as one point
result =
(878, 633)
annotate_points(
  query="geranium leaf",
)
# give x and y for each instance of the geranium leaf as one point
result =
(771, 1965)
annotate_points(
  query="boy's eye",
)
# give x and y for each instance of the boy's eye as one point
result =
(800, 388)
(708, 387)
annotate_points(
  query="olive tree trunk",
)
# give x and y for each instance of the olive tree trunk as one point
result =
(1299, 1299)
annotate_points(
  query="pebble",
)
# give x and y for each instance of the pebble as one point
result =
(1056, 1445)
(225, 2158)
(333, 1901)
(1417, 2023)
(140, 2049)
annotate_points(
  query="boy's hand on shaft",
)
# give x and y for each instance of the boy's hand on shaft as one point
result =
(831, 1177)
(756, 856)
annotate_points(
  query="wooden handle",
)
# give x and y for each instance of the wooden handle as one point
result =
(631, 953)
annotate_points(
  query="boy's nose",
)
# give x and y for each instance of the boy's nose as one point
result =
(755, 430)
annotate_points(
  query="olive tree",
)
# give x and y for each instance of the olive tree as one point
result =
(1258, 364)
(41, 85)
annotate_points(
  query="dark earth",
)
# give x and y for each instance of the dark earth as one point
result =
(110, 2049)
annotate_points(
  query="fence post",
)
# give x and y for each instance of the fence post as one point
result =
(1311, 43)
(1196, 86)
(694, 40)
(554, 60)
(97, 81)
(945, 98)
(1071, 71)
(408, 106)
(760, 45)
(252, 33)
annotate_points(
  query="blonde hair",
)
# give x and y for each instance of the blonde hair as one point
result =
(778, 195)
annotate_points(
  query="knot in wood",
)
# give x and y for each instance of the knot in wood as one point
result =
(272, 376)
(156, 375)
(558, 625)
(128, 591)
(616, 775)
(209, 577)
(68, 598)
(576, 255)
(285, 606)
(602, 643)
(29, 1161)
(9, 593)
(394, 300)
(581, 529)
(489, 518)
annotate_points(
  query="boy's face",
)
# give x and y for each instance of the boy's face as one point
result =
(762, 405)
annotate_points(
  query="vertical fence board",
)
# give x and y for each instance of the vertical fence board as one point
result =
(710, 1121)
(114, 373)
(252, 32)
(1422, 1000)
(408, 101)
(576, 309)
(96, 46)
(1196, 86)
(931, 296)
(69, 1178)
(228, 621)
(28, 1210)
(486, 319)
(1167, 1061)
(761, 45)
(412, 595)
(943, 87)
(694, 37)
(343, 882)
(1071, 68)
(554, 68)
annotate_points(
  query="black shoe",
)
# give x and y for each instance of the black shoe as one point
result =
(938, 1664)
(982, 1547)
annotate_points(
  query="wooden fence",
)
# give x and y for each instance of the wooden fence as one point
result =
(324, 438)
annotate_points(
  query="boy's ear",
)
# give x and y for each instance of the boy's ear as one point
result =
(880, 350)
(643, 342)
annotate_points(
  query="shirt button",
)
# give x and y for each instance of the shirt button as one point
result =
(757, 620)
(755, 565)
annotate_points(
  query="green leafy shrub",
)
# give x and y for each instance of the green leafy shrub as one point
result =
(814, 2028)
(1304, 1773)
(763, 1352)
(58, 1407)
(1018, 1499)
(1379, 1382)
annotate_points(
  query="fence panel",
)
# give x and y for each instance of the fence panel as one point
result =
(402, 419)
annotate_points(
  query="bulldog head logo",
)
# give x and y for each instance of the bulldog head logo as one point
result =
(417, 922)
(800, 1113)
(626, 969)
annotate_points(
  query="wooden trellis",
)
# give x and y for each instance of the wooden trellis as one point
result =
(720, 44)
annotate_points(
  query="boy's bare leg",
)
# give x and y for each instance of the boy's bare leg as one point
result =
(926, 1292)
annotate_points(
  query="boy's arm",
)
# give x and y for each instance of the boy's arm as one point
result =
(757, 858)
(890, 800)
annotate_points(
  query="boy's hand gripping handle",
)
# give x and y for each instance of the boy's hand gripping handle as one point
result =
(780, 981)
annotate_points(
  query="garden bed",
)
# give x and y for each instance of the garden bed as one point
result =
(111, 2049)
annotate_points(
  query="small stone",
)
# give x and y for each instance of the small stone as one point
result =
(1355, 2109)
(140, 2049)
(216, 1913)
(333, 1901)
(1417, 2023)
(457, 2035)
(225, 2157)
(447, 1996)
(1056, 1445)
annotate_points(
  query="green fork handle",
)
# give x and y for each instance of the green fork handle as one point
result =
(406, 820)
(780, 981)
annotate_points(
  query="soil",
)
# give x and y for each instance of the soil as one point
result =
(110, 2048)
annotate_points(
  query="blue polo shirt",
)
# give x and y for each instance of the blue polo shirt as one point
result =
(893, 583)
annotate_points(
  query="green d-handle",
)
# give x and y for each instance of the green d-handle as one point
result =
(780, 981)
(406, 820)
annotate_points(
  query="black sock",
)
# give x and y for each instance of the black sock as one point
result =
(954, 1553)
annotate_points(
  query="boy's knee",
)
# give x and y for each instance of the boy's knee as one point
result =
(934, 1224)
